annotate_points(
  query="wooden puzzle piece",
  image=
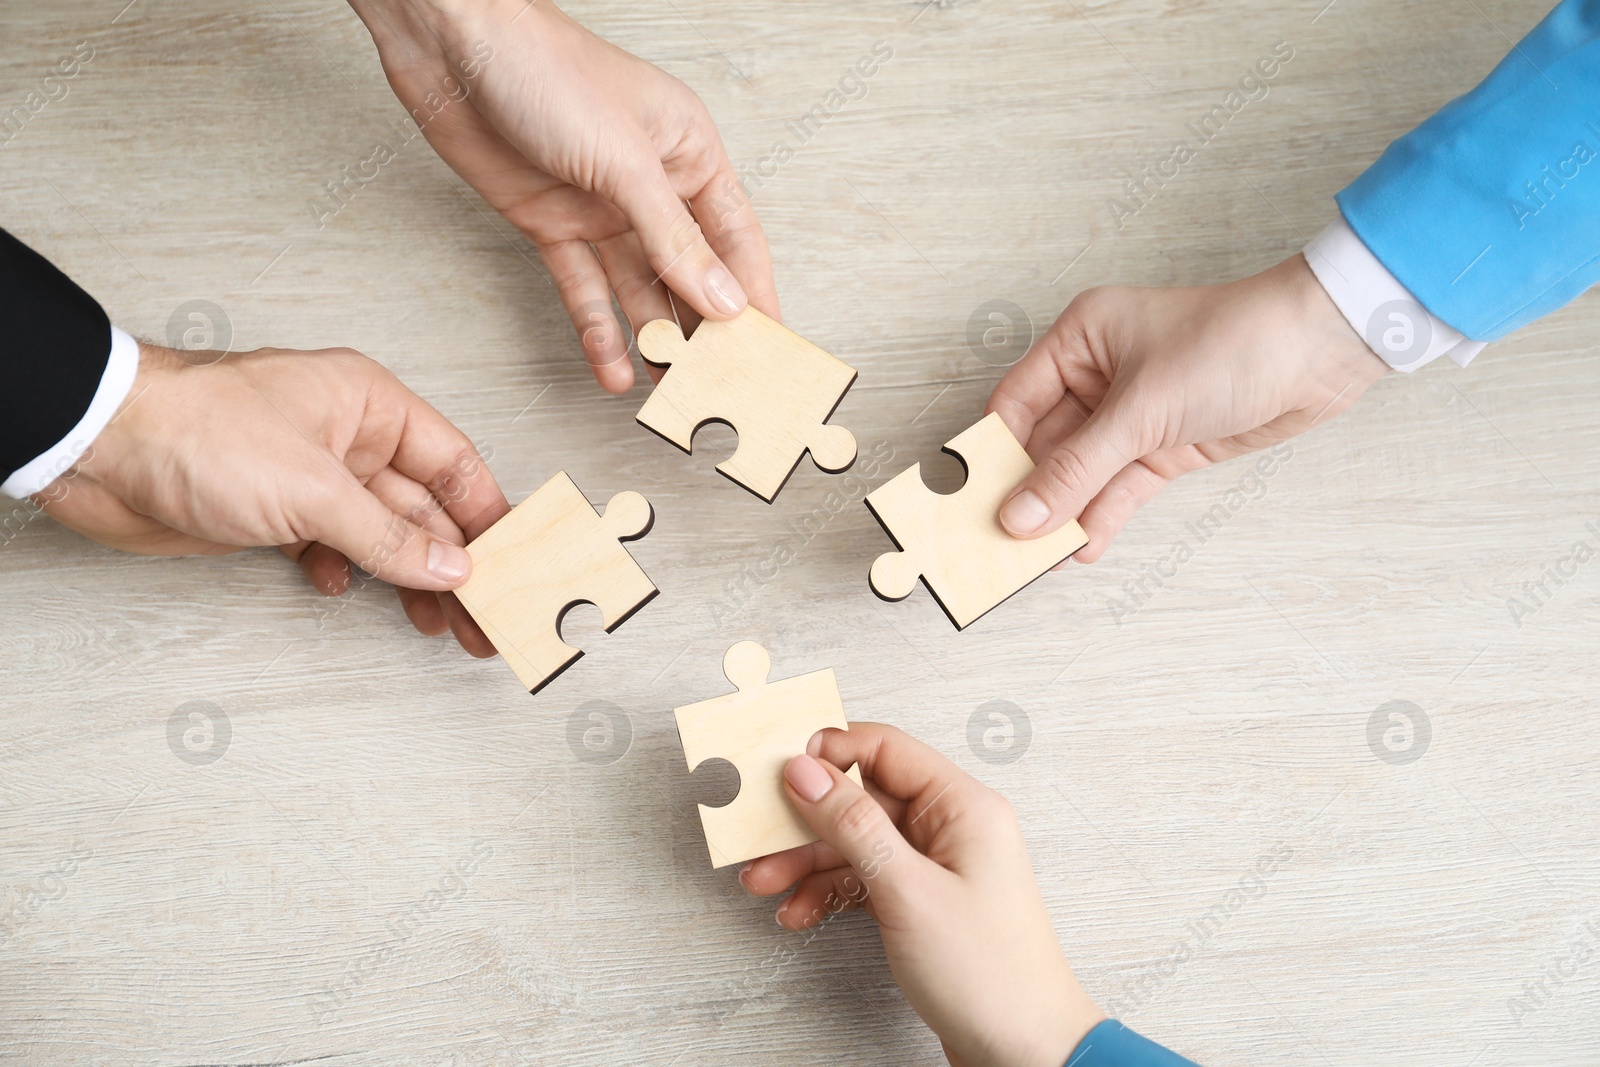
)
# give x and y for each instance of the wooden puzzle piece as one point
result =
(758, 730)
(955, 543)
(775, 388)
(550, 553)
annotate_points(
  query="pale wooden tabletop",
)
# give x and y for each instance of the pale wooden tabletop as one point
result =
(400, 857)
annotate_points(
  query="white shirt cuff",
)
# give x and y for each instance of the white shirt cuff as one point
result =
(115, 383)
(1400, 330)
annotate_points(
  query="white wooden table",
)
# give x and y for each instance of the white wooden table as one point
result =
(399, 857)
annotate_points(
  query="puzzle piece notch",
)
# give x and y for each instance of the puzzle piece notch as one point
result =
(551, 553)
(954, 542)
(773, 387)
(758, 729)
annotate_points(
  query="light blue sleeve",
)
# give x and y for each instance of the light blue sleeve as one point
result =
(1111, 1044)
(1489, 212)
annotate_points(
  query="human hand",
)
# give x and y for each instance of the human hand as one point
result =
(1132, 387)
(589, 151)
(323, 453)
(937, 858)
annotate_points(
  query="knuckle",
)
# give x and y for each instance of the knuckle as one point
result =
(683, 234)
(1061, 474)
(348, 357)
(634, 287)
(997, 806)
(860, 818)
(1091, 303)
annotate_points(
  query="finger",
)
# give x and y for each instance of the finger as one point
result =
(642, 295)
(327, 571)
(585, 293)
(730, 225)
(468, 634)
(342, 514)
(1131, 489)
(821, 896)
(777, 872)
(891, 760)
(1075, 471)
(941, 802)
(781, 870)
(1065, 419)
(408, 497)
(673, 242)
(433, 452)
(423, 609)
(1059, 367)
(842, 814)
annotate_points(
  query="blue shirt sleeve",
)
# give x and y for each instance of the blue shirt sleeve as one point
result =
(1113, 1045)
(1489, 212)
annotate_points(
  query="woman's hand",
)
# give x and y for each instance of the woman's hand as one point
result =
(1132, 387)
(589, 151)
(938, 860)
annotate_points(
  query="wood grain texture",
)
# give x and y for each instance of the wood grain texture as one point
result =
(758, 728)
(772, 386)
(400, 859)
(953, 542)
(551, 553)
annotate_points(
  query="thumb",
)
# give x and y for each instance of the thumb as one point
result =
(848, 818)
(1075, 471)
(392, 547)
(673, 242)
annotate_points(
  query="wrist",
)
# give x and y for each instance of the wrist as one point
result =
(411, 31)
(1067, 1019)
(1334, 354)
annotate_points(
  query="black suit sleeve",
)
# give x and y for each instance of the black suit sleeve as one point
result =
(55, 340)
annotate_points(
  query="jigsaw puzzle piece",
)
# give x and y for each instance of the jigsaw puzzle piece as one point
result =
(758, 729)
(776, 389)
(955, 542)
(551, 553)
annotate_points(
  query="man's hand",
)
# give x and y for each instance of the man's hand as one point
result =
(937, 858)
(1132, 387)
(591, 152)
(324, 453)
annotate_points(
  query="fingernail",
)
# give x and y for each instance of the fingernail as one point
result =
(447, 562)
(725, 293)
(1024, 513)
(778, 918)
(744, 869)
(808, 777)
(814, 746)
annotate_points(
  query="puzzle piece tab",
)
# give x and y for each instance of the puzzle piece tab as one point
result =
(758, 730)
(552, 552)
(955, 543)
(775, 388)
